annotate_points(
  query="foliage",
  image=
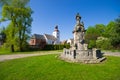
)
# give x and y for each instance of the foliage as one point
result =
(100, 28)
(111, 31)
(4, 2)
(49, 47)
(9, 39)
(92, 33)
(20, 26)
(104, 44)
(115, 36)
(56, 47)
(92, 44)
(51, 68)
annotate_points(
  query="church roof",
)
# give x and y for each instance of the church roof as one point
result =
(50, 37)
(38, 36)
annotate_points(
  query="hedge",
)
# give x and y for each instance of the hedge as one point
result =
(56, 47)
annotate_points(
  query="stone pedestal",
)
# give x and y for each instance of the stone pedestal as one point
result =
(80, 46)
(84, 56)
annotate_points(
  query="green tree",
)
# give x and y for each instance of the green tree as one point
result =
(103, 43)
(93, 33)
(115, 35)
(91, 36)
(100, 28)
(19, 14)
(4, 2)
(92, 44)
(109, 29)
(10, 40)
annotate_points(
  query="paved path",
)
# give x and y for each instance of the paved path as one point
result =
(15, 56)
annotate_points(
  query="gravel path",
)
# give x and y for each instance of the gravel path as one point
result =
(111, 53)
(15, 56)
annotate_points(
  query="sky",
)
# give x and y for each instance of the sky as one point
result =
(49, 13)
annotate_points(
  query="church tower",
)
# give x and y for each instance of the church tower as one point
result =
(56, 34)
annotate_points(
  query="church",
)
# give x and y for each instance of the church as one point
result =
(38, 39)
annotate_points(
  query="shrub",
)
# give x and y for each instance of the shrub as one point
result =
(56, 47)
(104, 44)
(92, 44)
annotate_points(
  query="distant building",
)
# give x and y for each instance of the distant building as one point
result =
(63, 42)
(38, 39)
(50, 39)
(70, 41)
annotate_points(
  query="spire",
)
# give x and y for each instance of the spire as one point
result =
(56, 28)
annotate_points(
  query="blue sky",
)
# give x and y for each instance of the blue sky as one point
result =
(49, 13)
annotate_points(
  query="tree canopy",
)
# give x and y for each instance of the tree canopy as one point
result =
(19, 15)
(104, 36)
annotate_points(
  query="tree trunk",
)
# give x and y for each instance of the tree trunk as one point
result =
(12, 48)
(20, 46)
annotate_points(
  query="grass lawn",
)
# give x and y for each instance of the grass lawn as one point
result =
(5, 52)
(48, 67)
(2, 51)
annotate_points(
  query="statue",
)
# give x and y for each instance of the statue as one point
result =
(79, 51)
(79, 33)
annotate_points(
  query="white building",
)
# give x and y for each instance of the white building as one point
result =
(49, 39)
(70, 41)
(56, 34)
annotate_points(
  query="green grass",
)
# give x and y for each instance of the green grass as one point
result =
(5, 52)
(48, 67)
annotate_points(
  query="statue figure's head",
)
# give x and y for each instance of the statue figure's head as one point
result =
(78, 17)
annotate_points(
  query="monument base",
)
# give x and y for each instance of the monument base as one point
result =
(83, 56)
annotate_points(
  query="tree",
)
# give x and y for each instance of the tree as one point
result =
(10, 40)
(103, 43)
(109, 29)
(92, 33)
(100, 29)
(91, 36)
(20, 16)
(115, 35)
(4, 2)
